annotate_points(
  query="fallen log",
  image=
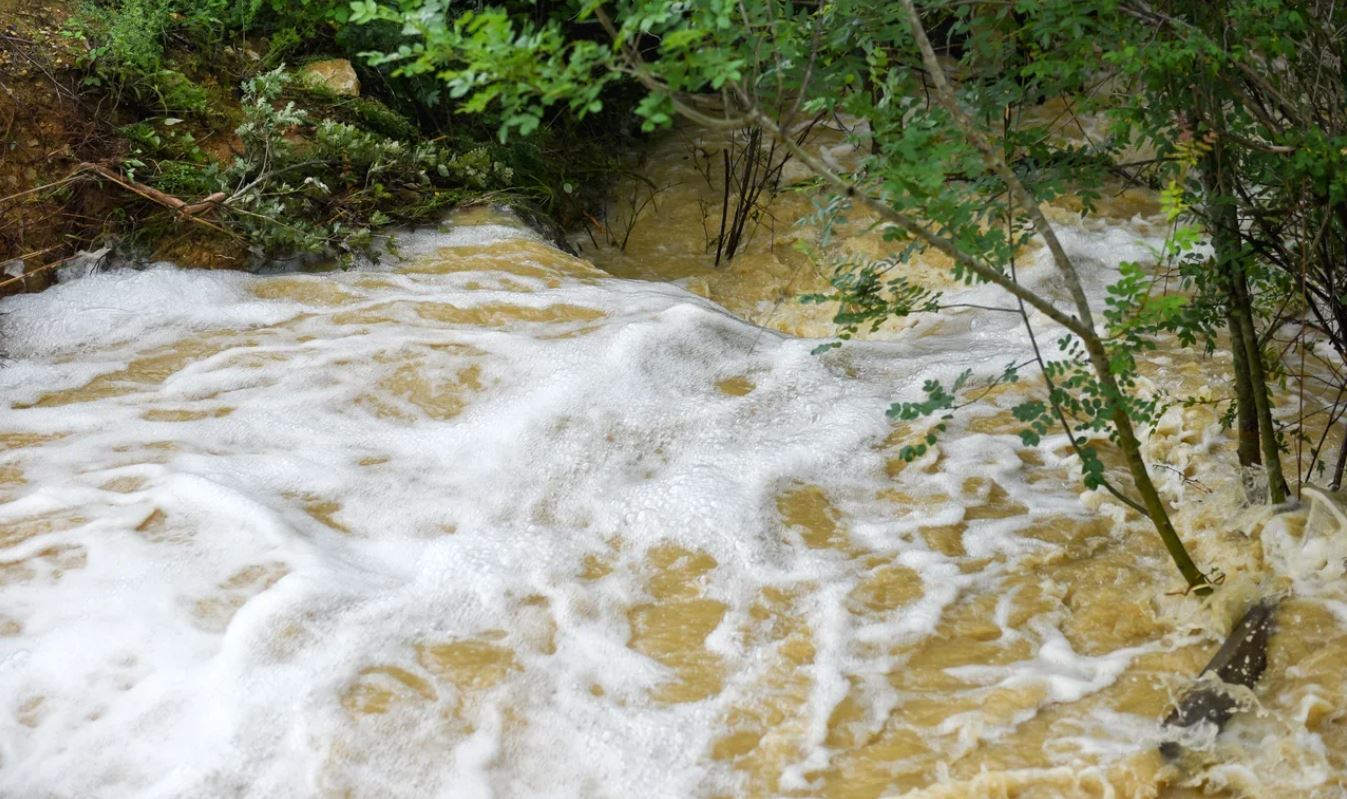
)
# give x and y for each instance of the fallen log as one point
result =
(1240, 661)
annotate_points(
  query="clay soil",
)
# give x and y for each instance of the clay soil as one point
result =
(47, 127)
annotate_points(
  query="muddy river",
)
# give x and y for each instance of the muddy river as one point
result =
(497, 521)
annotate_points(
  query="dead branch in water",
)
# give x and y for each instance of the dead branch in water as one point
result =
(1239, 662)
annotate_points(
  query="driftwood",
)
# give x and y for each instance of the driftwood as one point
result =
(1240, 661)
(181, 207)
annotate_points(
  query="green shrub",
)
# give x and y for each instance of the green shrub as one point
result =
(171, 92)
(316, 186)
(124, 42)
(162, 139)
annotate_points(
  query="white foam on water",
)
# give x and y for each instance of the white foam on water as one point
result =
(204, 643)
(115, 307)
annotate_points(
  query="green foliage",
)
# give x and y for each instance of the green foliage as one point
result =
(1246, 103)
(162, 138)
(127, 53)
(305, 17)
(305, 184)
(937, 399)
(171, 92)
(482, 57)
(129, 37)
(869, 294)
(845, 57)
(325, 191)
(379, 118)
(130, 41)
(317, 172)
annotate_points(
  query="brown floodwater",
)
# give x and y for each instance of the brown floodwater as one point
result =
(497, 520)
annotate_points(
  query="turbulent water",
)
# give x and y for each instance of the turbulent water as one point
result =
(492, 521)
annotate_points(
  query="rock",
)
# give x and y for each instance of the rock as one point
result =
(544, 225)
(1328, 510)
(1319, 554)
(83, 264)
(1239, 662)
(336, 75)
(794, 173)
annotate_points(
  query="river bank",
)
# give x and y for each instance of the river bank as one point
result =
(145, 133)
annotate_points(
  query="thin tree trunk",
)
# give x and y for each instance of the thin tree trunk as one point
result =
(1230, 257)
(1341, 464)
(1246, 413)
(1224, 229)
(1267, 432)
(1136, 466)
(725, 204)
(1094, 347)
